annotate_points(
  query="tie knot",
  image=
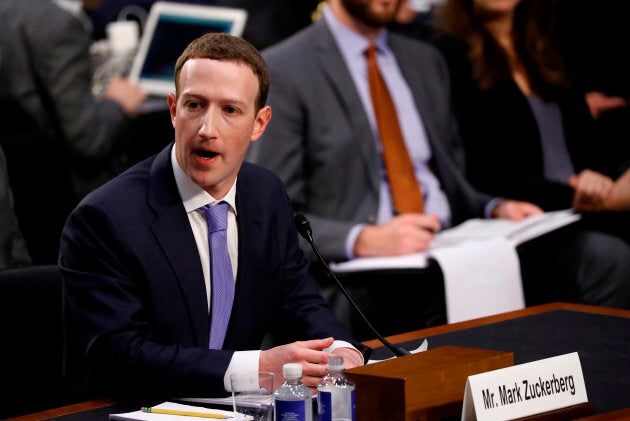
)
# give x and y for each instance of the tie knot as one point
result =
(216, 216)
(370, 52)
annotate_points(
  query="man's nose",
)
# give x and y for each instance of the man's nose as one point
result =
(206, 124)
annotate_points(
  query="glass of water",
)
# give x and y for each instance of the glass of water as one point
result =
(252, 395)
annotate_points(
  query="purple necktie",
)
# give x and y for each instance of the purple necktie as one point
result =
(222, 279)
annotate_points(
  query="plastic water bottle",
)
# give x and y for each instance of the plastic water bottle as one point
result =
(335, 394)
(293, 400)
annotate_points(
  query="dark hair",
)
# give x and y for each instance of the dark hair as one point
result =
(224, 47)
(533, 23)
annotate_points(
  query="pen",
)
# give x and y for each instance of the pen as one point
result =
(184, 413)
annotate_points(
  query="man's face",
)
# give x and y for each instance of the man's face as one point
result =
(215, 119)
(374, 13)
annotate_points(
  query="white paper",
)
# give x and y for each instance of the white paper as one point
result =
(147, 416)
(516, 231)
(472, 229)
(210, 401)
(526, 389)
(479, 262)
(408, 261)
(423, 347)
(481, 278)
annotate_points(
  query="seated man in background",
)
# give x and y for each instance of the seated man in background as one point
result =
(324, 143)
(140, 278)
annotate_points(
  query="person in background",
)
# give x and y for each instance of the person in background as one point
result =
(519, 114)
(597, 193)
(324, 144)
(591, 37)
(415, 19)
(13, 250)
(137, 267)
(267, 21)
(54, 124)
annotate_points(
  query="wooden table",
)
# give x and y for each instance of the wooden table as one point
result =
(465, 333)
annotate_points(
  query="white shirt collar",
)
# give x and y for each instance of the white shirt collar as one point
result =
(193, 196)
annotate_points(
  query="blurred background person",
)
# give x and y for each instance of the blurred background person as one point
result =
(268, 21)
(593, 37)
(526, 129)
(325, 143)
(13, 250)
(59, 138)
(596, 192)
(415, 19)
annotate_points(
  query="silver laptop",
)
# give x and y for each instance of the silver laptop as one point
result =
(168, 29)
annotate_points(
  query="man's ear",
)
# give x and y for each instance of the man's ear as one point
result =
(172, 107)
(262, 119)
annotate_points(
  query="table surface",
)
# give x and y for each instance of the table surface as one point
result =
(601, 336)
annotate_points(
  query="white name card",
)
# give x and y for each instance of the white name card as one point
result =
(525, 389)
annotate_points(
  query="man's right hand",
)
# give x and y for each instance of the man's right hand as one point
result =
(404, 234)
(129, 95)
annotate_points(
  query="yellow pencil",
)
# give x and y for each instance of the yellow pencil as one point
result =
(184, 413)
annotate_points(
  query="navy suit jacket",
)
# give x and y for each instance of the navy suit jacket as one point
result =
(134, 293)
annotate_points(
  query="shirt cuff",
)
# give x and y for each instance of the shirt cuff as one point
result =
(490, 206)
(343, 344)
(351, 239)
(241, 361)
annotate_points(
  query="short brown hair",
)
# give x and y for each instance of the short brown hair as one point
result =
(224, 47)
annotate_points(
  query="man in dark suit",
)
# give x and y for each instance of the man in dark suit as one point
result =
(324, 144)
(135, 257)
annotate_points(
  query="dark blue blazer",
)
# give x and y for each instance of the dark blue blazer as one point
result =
(134, 294)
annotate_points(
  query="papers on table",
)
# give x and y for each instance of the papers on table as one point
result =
(515, 232)
(473, 229)
(481, 278)
(479, 261)
(172, 406)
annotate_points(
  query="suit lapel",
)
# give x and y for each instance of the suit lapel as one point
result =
(249, 236)
(173, 233)
(334, 68)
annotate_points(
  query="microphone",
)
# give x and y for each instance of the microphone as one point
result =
(304, 228)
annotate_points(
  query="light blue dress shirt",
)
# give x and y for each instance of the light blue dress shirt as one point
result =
(352, 47)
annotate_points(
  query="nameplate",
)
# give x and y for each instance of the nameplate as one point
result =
(525, 389)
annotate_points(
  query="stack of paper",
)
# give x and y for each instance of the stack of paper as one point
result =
(478, 260)
(471, 230)
(175, 411)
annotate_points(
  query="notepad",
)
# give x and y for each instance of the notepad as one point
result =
(146, 416)
(516, 232)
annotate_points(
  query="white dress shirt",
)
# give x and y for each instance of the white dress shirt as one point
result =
(194, 197)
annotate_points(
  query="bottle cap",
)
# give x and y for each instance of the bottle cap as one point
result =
(292, 371)
(335, 363)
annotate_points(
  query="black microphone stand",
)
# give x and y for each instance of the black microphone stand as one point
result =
(304, 229)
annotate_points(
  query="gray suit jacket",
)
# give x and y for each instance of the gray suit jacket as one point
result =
(320, 143)
(45, 68)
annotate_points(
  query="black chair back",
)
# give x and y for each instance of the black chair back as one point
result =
(32, 341)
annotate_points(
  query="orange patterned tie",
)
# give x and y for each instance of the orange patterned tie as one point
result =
(405, 189)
